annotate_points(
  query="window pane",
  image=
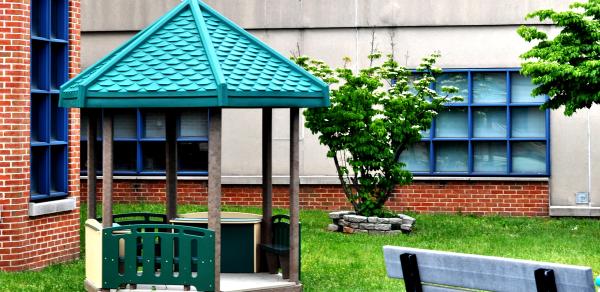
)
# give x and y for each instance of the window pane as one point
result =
(154, 125)
(451, 157)
(59, 58)
(528, 122)
(83, 152)
(40, 18)
(521, 88)
(489, 88)
(193, 124)
(125, 124)
(416, 157)
(58, 172)
(125, 154)
(193, 156)
(59, 19)
(40, 55)
(39, 167)
(411, 82)
(58, 121)
(459, 80)
(39, 118)
(153, 156)
(425, 134)
(529, 157)
(489, 157)
(84, 127)
(489, 122)
(452, 123)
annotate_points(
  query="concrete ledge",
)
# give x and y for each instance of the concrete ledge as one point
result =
(574, 211)
(56, 206)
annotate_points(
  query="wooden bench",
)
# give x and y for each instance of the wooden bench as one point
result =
(277, 252)
(430, 270)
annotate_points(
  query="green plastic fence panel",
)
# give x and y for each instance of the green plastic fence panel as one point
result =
(158, 254)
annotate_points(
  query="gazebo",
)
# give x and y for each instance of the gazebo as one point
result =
(192, 57)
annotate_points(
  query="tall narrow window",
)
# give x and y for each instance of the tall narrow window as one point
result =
(49, 70)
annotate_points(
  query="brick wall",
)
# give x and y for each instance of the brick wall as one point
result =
(474, 197)
(26, 242)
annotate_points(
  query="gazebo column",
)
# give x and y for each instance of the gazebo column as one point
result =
(107, 168)
(91, 163)
(214, 187)
(267, 176)
(171, 164)
(294, 194)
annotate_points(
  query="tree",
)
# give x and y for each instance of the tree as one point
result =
(567, 67)
(375, 115)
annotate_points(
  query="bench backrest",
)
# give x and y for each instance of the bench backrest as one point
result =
(280, 224)
(484, 272)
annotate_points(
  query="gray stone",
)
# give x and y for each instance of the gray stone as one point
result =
(395, 221)
(355, 225)
(406, 219)
(407, 227)
(368, 226)
(395, 232)
(372, 219)
(355, 218)
(333, 227)
(342, 222)
(339, 214)
(410, 221)
(383, 220)
(383, 227)
(360, 231)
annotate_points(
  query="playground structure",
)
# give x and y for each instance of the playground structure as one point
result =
(192, 57)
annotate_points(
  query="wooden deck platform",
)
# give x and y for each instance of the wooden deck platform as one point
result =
(258, 282)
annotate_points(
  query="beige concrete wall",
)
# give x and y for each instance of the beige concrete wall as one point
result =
(468, 34)
(115, 15)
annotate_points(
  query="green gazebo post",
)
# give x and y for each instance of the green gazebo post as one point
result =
(193, 57)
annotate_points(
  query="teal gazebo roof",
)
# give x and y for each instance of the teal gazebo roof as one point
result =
(194, 57)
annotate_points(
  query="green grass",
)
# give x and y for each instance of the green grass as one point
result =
(340, 262)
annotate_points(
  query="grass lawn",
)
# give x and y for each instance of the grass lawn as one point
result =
(339, 262)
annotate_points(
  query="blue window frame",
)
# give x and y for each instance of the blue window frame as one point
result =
(139, 140)
(49, 70)
(497, 130)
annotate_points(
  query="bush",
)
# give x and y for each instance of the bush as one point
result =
(375, 115)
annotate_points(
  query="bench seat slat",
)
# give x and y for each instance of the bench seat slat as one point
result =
(485, 272)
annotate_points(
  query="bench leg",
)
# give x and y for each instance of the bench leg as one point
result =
(284, 260)
(272, 264)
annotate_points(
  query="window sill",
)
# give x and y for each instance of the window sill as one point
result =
(320, 179)
(479, 178)
(51, 207)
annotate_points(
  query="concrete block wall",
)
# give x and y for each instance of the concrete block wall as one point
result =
(30, 242)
